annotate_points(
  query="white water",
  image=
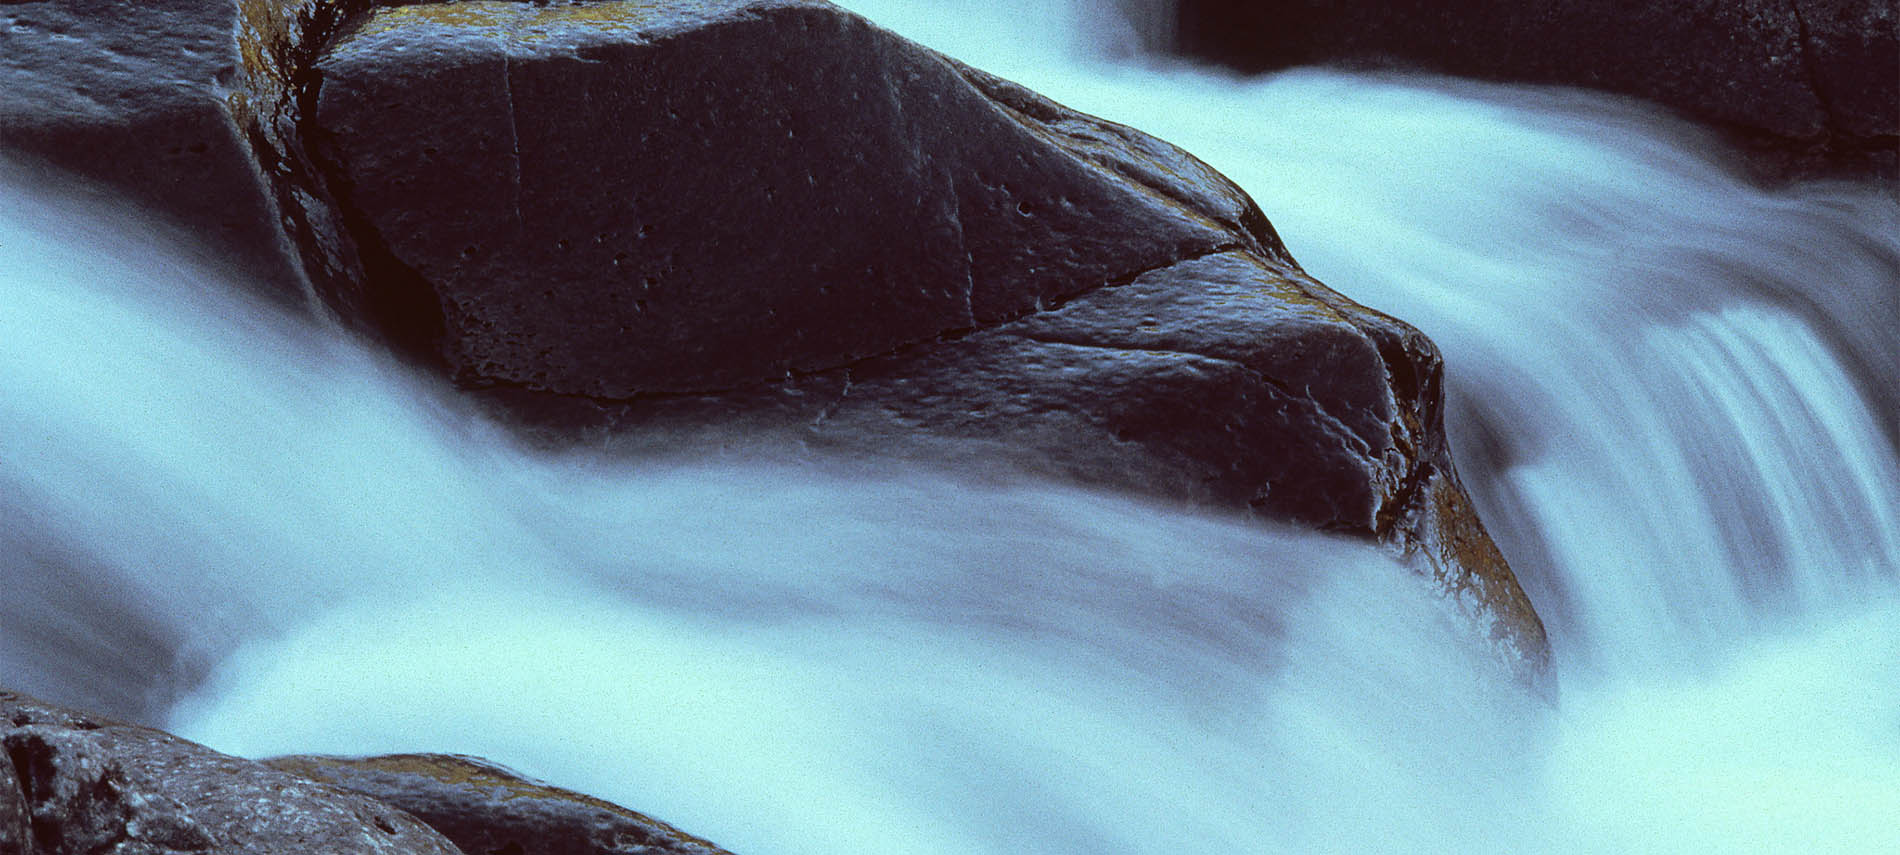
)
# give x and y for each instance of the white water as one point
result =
(1668, 399)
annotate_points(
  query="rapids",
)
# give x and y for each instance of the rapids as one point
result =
(1673, 395)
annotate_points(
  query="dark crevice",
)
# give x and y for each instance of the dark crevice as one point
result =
(394, 300)
(32, 759)
(352, 273)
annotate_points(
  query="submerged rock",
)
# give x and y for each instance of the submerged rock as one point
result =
(76, 784)
(485, 808)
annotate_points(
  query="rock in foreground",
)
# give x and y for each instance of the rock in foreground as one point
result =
(75, 784)
(485, 808)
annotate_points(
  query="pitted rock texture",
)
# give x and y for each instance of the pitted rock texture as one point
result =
(485, 808)
(615, 199)
(89, 785)
(1816, 82)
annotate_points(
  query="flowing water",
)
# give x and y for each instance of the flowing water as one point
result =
(1673, 398)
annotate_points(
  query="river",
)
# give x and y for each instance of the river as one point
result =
(1673, 397)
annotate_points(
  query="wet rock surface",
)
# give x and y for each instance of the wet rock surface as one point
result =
(620, 199)
(485, 808)
(77, 784)
(142, 99)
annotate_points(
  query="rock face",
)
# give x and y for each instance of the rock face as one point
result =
(768, 219)
(606, 200)
(74, 784)
(1817, 79)
(485, 808)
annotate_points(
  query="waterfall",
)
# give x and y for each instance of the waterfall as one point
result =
(1672, 397)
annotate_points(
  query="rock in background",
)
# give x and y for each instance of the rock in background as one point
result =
(1813, 85)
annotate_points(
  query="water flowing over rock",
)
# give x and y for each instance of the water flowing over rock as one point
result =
(769, 220)
(486, 808)
(1817, 82)
(75, 783)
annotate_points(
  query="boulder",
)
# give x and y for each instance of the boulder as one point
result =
(76, 784)
(1818, 81)
(485, 808)
(619, 199)
(772, 214)
(769, 220)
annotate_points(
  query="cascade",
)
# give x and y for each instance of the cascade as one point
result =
(1672, 396)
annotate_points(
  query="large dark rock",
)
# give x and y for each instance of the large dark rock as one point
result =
(485, 808)
(1818, 80)
(770, 213)
(628, 198)
(75, 784)
(769, 219)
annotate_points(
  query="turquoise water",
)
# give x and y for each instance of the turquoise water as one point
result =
(1671, 397)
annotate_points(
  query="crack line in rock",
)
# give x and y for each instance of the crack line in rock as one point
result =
(514, 129)
(943, 337)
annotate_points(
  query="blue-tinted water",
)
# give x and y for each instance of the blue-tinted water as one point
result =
(1672, 399)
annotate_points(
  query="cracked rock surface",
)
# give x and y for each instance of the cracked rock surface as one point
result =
(76, 784)
(485, 808)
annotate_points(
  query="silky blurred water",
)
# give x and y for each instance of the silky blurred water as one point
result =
(1672, 398)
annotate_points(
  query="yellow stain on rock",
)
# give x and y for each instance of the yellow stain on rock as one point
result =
(519, 22)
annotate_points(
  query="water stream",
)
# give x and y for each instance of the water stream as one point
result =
(1673, 398)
